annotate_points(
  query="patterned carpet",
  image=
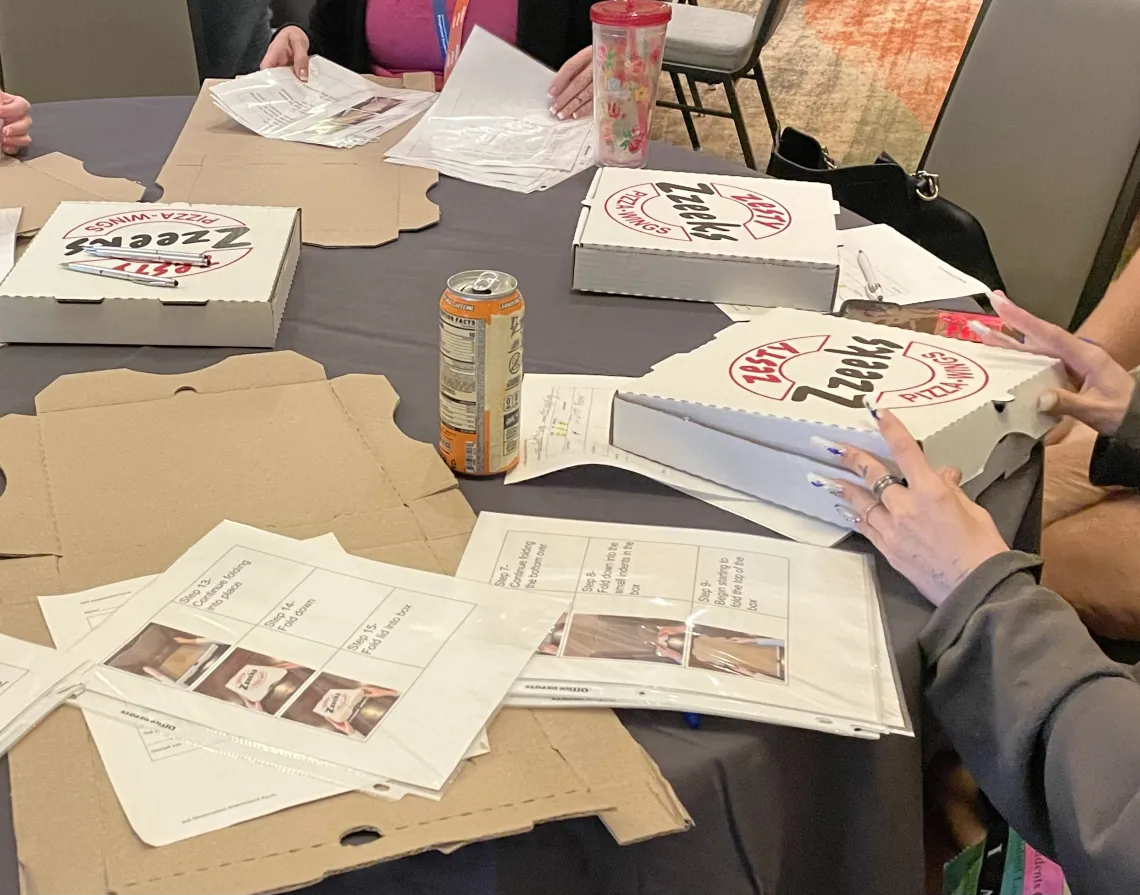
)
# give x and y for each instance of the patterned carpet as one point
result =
(861, 75)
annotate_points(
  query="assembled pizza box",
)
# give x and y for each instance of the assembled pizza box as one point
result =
(708, 237)
(235, 302)
(748, 409)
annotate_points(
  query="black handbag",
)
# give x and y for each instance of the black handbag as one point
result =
(884, 193)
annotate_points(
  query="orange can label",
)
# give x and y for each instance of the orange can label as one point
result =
(480, 372)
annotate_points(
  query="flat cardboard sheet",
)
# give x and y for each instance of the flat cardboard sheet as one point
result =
(118, 473)
(348, 197)
(41, 184)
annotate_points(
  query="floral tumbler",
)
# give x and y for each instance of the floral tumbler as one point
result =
(629, 39)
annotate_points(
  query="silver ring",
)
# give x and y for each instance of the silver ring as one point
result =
(883, 483)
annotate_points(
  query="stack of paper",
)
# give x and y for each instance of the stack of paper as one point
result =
(335, 107)
(492, 125)
(697, 621)
(904, 271)
(259, 673)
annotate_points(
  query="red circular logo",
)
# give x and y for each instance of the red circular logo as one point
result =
(165, 228)
(698, 211)
(845, 370)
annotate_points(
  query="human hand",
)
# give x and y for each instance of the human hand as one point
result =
(1067, 486)
(571, 92)
(928, 529)
(1105, 387)
(290, 46)
(15, 122)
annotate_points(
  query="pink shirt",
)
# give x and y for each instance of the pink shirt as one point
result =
(401, 33)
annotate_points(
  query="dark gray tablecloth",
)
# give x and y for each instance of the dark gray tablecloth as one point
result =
(776, 809)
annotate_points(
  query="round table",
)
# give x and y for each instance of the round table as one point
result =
(776, 809)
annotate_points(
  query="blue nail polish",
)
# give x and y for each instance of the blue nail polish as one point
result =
(831, 447)
(828, 485)
(693, 720)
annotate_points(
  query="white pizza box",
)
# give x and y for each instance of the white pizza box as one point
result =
(748, 408)
(235, 302)
(708, 237)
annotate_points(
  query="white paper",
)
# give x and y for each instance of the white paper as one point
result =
(435, 655)
(491, 123)
(34, 680)
(566, 422)
(169, 789)
(9, 221)
(711, 617)
(335, 107)
(908, 273)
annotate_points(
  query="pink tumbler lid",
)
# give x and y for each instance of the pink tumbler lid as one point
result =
(631, 13)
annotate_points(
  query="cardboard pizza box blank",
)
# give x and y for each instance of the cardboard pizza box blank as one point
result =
(117, 474)
(748, 409)
(348, 197)
(235, 302)
(39, 185)
(708, 237)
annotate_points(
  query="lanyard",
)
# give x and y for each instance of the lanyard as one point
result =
(449, 33)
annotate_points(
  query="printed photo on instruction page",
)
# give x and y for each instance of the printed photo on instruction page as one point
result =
(304, 652)
(786, 626)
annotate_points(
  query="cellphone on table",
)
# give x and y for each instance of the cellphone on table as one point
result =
(951, 324)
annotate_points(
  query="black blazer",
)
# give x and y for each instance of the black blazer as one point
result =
(549, 30)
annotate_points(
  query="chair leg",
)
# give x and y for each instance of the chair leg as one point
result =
(685, 113)
(697, 101)
(766, 99)
(741, 128)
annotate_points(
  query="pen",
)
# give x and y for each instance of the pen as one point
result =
(874, 289)
(194, 259)
(140, 278)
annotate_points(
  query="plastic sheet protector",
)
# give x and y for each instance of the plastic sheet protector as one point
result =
(701, 621)
(311, 660)
(34, 680)
(171, 789)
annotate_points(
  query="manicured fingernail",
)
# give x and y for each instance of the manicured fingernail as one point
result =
(978, 328)
(836, 450)
(998, 297)
(561, 116)
(869, 403)
(1047, 401)
(846, 515)
(829, 485)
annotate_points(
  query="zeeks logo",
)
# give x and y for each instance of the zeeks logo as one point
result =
(845, 370)
(689, 211)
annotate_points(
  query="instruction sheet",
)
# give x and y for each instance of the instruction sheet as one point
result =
(492, 123)
(171, 789)
(317, 658)
(334, 107)
(906, 273)
(793, 633)
(34, 680)
(566, 423)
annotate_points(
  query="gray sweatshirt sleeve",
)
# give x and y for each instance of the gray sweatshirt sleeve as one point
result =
(1047, 724)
